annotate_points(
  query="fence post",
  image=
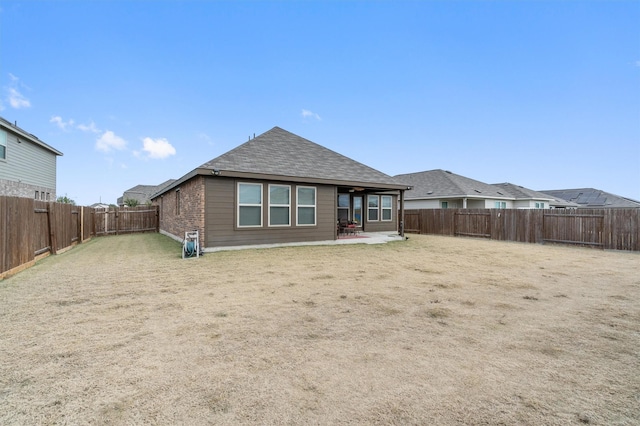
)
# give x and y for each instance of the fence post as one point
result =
(52, 233)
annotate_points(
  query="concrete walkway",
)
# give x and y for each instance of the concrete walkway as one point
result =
(361, 238)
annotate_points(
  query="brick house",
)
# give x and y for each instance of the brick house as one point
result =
(278, 188)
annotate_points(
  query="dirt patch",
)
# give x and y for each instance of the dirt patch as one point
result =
(433, 330)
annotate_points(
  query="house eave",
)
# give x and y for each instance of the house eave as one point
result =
(28, 136)
(452, 197)
(214, 173)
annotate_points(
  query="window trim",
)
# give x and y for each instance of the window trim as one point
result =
(383, 208)
(314, 205)
(239, 205)
(4, 141)
(376, 208)
(288, 205)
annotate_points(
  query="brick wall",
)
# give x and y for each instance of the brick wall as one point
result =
(189, 216)
(20, 189)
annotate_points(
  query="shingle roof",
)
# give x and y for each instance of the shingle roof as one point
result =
(442, 183)
(278, 152)
(593, 198)
(29, 136)
(143, 193)
(522, 193)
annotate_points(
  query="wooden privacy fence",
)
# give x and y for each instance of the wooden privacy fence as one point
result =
(30, 229)
(126, 220)
(613, 229)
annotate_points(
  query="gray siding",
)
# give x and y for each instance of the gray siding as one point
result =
(28, 163)
(380, 225)
(220, 216)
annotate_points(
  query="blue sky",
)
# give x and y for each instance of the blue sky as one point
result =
(543, 94)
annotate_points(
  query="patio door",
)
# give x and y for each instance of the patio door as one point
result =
(357, 211)
(350, 208)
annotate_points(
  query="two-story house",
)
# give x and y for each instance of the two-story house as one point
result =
(27, 164)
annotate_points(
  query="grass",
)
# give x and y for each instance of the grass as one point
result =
(434, 330)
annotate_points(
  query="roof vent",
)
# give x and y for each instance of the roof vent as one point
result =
(429, 192)
(479, 192)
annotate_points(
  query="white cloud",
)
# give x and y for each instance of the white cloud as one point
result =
(309, 114)
(110, 141)
(91, 127)
(15, 98)
(158, 148)
(60, 122)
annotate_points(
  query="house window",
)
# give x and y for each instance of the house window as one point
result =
(373, 205)
(306, 206)
(445, 204)
(500, 205)
(48, 196)
(539, 205)
(177, 202)
(386, 207)
(279, 205)
(3, 145)
(249, 204)
(343, 206)
(37, 195)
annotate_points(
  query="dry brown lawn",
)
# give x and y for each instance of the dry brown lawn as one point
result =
(434, 330)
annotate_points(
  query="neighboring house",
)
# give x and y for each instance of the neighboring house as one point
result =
(590, 198)
(441, 189)
(142, 193)
(99, 206)
(525, 198)
(278, 188)
(27, 165)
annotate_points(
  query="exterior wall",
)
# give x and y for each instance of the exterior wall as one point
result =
(381, 225)
(531, 204)
(422, 204)
(30, 166)
(221, 216)
(189, 216)
(20, 189)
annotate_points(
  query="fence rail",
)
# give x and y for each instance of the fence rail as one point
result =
(31, 228)
(612, 229)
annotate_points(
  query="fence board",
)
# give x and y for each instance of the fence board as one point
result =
(28, 227)
(614, 229)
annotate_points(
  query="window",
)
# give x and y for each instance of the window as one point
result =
(177, 202)
(373, 204)
(445, 204)
(249, 204)
(500, 205)
(306, 201)
(37, 195)
(539, 205)
(386, 207)
(279, 205)
(357, 210)
(3, 145)
(343, 206)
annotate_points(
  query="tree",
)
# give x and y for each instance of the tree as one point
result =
(66, 200)
(131, 202)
